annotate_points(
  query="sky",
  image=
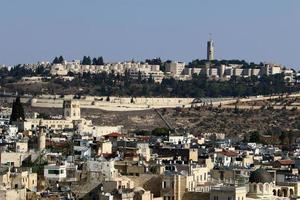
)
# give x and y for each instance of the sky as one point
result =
(118, 30)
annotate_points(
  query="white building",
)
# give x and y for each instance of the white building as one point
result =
(55, 172)
(175, 68)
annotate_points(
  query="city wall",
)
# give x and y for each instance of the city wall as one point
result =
(114, 103)
(130, 104)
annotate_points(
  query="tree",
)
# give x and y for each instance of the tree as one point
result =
(150, 79)
(139, 77)
(58, 60)
(95, 62)
(55, 61)
(100, 61)
(255, 137)
(17, 113)
(160, 131)
(86, 60)
(61, 59)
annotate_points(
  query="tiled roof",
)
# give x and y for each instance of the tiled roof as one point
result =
(114, 134)
(286, 162)
(229, 153)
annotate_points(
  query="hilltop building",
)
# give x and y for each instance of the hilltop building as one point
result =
(210, 50)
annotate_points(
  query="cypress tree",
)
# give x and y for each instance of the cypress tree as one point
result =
(100, 61)
(17, 113)
(55, 61)
(61, 59)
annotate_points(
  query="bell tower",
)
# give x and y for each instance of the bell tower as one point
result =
(71, 109)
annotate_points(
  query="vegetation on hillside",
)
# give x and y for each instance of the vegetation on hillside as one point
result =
(109, 84)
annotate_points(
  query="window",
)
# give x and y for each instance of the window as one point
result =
(164, 184)
(216, 197)
(53, 171)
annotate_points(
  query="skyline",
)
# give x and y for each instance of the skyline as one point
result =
(254, 31)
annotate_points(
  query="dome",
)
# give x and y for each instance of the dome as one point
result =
(260, 176)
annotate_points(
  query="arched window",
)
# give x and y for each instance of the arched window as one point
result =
(261, 188)
(291, 192)
(285, 192)
(267, 187)
(279, 193)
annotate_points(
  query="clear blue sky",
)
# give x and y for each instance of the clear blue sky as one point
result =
(254, 30)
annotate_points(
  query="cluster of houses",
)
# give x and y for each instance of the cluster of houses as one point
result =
(177, 70)
(172, 69)
(65, 158)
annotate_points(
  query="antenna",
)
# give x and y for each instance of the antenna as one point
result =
(210, 36)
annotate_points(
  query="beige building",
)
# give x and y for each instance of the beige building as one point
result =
(21, 179)
(175, 185)
(174, 68)
(13, 158)
(17, 178)
(22, 146)
(200, 174)
(12, 194)
(120, 182)
(223, 192)
(59, 70)
(72, 119)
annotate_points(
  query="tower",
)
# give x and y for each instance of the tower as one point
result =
(210, 49)
(71, 109)
(41, 137)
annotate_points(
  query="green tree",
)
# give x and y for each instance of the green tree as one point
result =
(17, 113)
(86, 60)
(255, 137)
(95, 62)
(61, 59)
(100, 61)
(55, 61)
(160, 131)
(139, 77)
